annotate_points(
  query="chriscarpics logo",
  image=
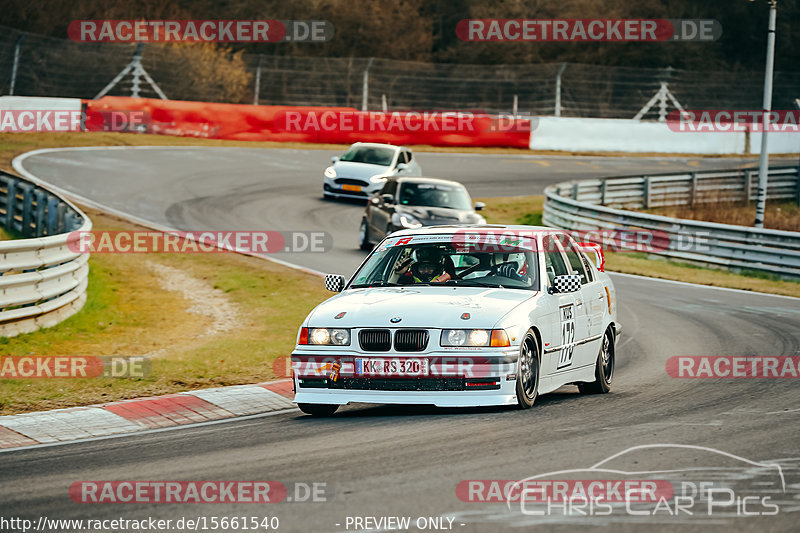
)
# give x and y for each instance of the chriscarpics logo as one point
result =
(644, 484)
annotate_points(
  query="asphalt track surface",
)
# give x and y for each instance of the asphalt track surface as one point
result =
(398, 461)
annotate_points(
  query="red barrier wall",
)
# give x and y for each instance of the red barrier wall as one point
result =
(341, 125)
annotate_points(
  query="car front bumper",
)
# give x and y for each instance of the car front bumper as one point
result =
(459, 379)
(335, 187)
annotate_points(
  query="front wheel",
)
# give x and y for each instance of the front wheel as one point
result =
(363, 236)
(604, 369)
(318, 409)
(528, 372)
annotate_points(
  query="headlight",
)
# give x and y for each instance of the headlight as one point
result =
(330, 172)
(377, 179)
(479, 337)
(474, 337)
(406, 221)
(325, 336)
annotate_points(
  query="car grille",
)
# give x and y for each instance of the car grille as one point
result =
(350, 181)
(410, 340)
(375, 340)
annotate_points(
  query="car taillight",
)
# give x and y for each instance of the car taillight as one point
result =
(499, 338)
(303, 336)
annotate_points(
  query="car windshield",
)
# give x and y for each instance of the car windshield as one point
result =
(446, 263)
(435, 195)
(371, 155)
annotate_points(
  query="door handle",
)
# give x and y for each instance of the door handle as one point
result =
(578, 303)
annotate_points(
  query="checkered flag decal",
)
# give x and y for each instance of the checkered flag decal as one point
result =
(334, 282)
(569, 283)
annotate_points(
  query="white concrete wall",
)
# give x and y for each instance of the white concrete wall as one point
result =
(25, 103)
(623, 135)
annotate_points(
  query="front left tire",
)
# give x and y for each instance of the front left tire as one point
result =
(363, 236)
(528, 372)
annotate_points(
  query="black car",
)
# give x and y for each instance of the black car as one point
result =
(408, 202)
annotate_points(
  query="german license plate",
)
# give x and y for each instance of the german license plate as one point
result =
(385, 367)
(354, 188)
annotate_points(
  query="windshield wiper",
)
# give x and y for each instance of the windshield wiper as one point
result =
(474, 283)
(373, 284)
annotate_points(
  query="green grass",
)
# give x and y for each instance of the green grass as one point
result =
(128, 314)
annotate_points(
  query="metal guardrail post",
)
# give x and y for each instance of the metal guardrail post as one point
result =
(575, 190)
(748, 185)
(11, 201)
(646, 192)
(693, 191)
(41, 207)
(27, 211)
(52, 216)
(603, 185)
(797, 175)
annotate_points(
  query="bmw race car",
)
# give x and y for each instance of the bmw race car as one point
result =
(461, 316)
(364, 168)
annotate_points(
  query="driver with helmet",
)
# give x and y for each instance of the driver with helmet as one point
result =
(428, 265)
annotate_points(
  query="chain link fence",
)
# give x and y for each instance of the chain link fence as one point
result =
(33, 65)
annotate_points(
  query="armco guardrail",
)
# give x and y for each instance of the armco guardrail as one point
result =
(591, 205)
(42, 281)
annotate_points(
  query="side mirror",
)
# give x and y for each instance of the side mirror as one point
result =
(569, 283)
(334, 159)
(595, 254)
(387, 198)
(401, 167)
(334, 282)
(479, 206)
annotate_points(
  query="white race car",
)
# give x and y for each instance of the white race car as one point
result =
(364, 168)
(458, 316)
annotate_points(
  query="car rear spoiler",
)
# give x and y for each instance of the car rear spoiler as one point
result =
(595, 253)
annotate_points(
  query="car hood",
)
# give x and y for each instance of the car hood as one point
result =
(424, 307)
(433, 216)
(348, 169)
